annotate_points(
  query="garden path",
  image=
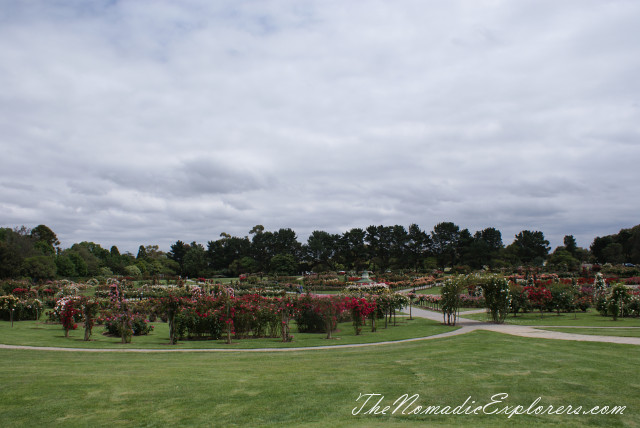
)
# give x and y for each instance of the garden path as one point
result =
(466, 326)
(523, 330)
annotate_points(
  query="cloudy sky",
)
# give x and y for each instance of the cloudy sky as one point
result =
(146, 121)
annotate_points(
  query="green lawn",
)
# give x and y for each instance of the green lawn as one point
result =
(432, 290)
(320, 388)
(33, 333)
(624, 332)
(591, 318)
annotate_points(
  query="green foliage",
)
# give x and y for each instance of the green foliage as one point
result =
(563, 297)
(191, 324)
(23, 309)
(42, 233)
(617, 300)
(133, 271)
(39, 267)
(623, 247)
(284, 264)
(530, 247)
(195, 261)
(519, 300)
(562, 260)
(450, 301)
(138, 324)
(65, 266)
(497, 297)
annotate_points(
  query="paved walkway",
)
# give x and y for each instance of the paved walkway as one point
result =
(523, 330)
(466, 326)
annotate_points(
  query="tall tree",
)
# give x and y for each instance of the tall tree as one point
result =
(224, 251)
(417, 246)
(570, 244)
(484, 249)
(178, 252)
(261, 247)
(44, 234)
(399, 240)
(195, 261)
(446, 242)
(352, 250)
(285, 241)
(530, 247)
(320, 249)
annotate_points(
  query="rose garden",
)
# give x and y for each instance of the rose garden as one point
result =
(332, 317)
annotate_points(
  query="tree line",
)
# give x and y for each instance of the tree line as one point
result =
(35, 253)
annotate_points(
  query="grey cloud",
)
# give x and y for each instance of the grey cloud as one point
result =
(148, 122)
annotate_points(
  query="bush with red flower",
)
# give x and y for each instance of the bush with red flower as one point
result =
(69, 310)
(539, 297)
(360, 308)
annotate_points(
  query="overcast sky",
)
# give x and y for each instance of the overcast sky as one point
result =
(147, 122)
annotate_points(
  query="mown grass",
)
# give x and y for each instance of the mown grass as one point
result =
(432, 290)
(602, 331)
(319, 388)
(38, 333)
(591, 318)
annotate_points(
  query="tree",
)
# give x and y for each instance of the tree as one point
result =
(39, 267)
(378, 239)
(445, 239)
(223, 252)
(243, 265)
(195, 261)
(261, 246)
(621, 247)
(15, 246)
(80, 265)
(570, 244)
(178, 252)
(133, 271)
(284, 264)
(598, 245)
(285, 241)
(613, 253)
(399, 240)
(44, 234)
(258, 228)
(530, 247)
(417, 244)
(94, 257)
(450, 301)
(142, 253)
(562, 259)
(320, 249)
(65, 266)
(352, 250)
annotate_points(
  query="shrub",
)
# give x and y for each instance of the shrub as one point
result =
(539, 297)
(309, 318)
(191, 324)
(519, 299)
(23, 309)
(139, 325)
(617, 300)
(497, 297)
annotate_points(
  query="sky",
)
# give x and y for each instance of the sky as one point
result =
(144, 122)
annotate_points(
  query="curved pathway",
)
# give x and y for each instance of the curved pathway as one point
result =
(523, 330)
(466, 326)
